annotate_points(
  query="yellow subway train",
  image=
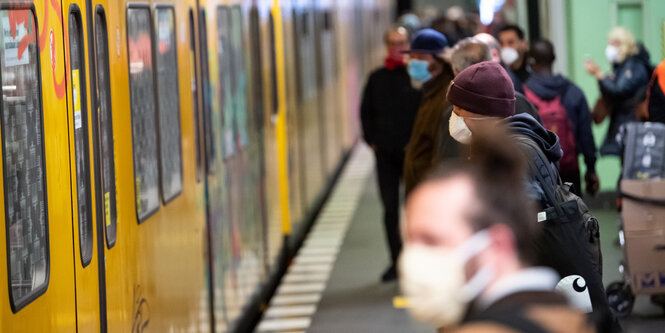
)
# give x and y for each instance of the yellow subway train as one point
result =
(161, 159)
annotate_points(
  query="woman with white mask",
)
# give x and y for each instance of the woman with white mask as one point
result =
(467, 263)
(625, 87)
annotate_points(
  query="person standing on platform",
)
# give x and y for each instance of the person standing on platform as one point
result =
(495, 50)
(431, 74)
(388, 109)
(565, 111)
(468, 261)
(471, 51)
(513, 51)
(624, 88)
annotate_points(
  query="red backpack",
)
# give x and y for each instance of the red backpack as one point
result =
(554, 118)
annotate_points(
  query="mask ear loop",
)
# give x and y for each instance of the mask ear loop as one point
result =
(470, 248)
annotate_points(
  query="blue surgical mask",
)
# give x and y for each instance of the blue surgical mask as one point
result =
(418, 70)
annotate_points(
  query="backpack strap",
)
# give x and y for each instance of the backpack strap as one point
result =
(540, 164)
(512, 318)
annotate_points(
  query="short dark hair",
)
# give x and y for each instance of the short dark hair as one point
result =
(542, 52)
(496, 169)
(513, 27)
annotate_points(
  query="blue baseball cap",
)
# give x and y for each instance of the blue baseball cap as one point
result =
(428, 41)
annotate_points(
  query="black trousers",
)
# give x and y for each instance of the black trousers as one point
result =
(389, 167)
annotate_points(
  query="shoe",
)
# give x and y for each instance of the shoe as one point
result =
(389, 275)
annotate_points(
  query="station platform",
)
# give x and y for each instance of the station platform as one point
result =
(334, 282)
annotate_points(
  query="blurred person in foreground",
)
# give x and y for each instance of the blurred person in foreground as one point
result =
(467, 52)
(624, 88)
(431, 74)
(468, 260)
(565, 111)
(514, 48)
(388, 109)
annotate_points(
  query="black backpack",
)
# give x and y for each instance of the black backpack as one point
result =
(569, 242)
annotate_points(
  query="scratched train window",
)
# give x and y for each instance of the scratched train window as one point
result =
(81, 147)
(239, 77)
(225, 73)
(24, 173)
(142, 103)
(105, 127)
(169, 107)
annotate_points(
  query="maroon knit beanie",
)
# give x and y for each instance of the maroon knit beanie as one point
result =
(484, 88)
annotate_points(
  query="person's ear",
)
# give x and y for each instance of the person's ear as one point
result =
(495, 55)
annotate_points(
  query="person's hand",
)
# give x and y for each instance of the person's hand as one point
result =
(592, 183)
(593, 69)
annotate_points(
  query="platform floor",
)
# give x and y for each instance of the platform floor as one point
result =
(334, 284)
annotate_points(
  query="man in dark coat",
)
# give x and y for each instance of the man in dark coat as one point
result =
(468, 52)
(547, 87)
(432, 74)
(514, 48)
(388, 109)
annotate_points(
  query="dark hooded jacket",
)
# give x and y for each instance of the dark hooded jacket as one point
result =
(577, 109)
(623, 90)
(526, 126)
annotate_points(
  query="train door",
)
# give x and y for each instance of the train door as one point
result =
(37, 289)
(92, 199)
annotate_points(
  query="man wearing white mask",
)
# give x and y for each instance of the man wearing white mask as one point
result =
(513, 51)
(432, 74)
(468, 258)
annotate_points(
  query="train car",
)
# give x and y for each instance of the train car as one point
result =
(161, 159)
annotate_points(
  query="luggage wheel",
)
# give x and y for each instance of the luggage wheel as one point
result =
(620, 298)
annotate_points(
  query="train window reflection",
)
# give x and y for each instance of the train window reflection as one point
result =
(24, 173)
(239, 77)
(168, 104)
(105, 127)
(142, 102)
(81, 145)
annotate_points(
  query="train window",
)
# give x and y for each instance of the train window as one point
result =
(273, 66)
(205, 85)
(81, 144)
(239, 77)
(327, 23)
(305, 23)
(225, 72)
(24, 172)
(105, 123)
(195, 101)
(257, 68)
(168, 104)
(142, 103)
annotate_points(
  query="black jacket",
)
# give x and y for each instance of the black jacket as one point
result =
(389, 107)
(624, 89)
(577, 109)
(449, 148)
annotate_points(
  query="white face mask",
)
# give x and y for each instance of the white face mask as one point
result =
(612, 54)
(459, 130)
(509, 55)
(434, 282)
